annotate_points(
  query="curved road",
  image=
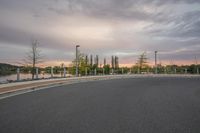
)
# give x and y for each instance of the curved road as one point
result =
(134, 105)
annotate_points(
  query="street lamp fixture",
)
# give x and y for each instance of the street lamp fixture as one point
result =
(77, 60)
(156, 67)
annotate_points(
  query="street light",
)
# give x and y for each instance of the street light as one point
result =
(77, 60)
(156, 69)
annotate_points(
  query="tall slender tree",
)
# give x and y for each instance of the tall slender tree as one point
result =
(142, 61)
(104, 62)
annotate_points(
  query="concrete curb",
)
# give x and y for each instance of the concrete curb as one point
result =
(30, 86)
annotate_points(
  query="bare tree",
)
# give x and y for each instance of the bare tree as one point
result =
(34, 56)
(142, 61)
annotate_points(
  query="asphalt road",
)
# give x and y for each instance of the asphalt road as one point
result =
(141, 105)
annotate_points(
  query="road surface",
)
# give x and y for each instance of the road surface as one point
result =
(133, 105)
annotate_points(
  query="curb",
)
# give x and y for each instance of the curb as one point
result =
(67, 81)
(60, 82)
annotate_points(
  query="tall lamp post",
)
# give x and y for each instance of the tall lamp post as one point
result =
(156, 69)
(77, 60)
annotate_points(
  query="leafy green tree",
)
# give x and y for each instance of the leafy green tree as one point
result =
(82, 65)
(106, 69)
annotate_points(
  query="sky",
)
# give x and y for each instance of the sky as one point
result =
(123, 28)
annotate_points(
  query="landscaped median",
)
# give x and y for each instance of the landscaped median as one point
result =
(10, 89)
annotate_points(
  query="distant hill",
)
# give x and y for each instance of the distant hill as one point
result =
(6, 69)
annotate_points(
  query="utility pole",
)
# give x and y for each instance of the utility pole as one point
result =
(156, 69)
(77, 60)
(196, 62)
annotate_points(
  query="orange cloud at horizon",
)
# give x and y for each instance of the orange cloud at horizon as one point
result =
(151, 63)
(55, 63)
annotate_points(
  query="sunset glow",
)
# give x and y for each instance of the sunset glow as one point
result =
(105, 28)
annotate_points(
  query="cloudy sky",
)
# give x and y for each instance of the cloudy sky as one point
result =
(125, 28)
